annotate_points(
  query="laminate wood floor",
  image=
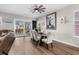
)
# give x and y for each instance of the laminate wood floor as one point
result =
(24, 46)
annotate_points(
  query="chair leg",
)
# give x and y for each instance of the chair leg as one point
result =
(47, 46)
(51, 45)
(36, 43)
(5, 53)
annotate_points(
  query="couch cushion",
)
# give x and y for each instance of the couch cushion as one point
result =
(11, 34)
(3, 34)
(1, 38)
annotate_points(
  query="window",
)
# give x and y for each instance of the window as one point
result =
(76, 22)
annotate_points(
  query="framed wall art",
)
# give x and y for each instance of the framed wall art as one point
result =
(51, 21)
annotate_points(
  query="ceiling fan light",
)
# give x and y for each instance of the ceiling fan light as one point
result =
(36, 11)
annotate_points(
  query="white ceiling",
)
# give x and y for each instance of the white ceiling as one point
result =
(25, 9)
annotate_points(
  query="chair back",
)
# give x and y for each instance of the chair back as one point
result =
(31, 34)
(50, 37)
(35, 36)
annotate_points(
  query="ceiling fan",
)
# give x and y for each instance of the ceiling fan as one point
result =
(38, 8)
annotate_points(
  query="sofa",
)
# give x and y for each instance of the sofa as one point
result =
(6, 42)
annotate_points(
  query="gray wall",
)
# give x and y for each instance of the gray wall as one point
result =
(64, 32)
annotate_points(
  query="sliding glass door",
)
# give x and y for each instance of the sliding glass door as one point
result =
(22, 28)
(19, 28)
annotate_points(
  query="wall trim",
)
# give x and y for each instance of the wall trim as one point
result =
(76, 36)
(70, 44)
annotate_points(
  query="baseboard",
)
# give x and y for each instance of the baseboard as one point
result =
(76, 36)
(67, 43)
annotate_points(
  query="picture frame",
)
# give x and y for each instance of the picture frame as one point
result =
(51, 21)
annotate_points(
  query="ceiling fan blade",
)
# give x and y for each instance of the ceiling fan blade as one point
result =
(43, 8)
(39, 10)
(40, 6)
